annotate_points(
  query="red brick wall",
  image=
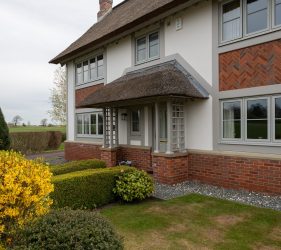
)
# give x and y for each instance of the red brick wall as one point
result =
(141, 157)
(170, 170)
(109, 156)
(236, 172)
(254, 66)
(81, 151)
(81, 94)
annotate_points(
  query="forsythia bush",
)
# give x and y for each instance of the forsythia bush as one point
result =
(25, 186)
(134, 185)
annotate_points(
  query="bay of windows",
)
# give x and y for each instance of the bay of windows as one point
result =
(90, 70)
(147, 47)
(252, 119)
(244, 17)
(90, 124)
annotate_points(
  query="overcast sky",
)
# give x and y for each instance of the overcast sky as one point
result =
(31, 33)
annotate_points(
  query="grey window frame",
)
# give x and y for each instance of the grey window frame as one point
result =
(274, 118)
(135, 133)
(147, 58)
(89, 70)
(88, 114)
(274, 26)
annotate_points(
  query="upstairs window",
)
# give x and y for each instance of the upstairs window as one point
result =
(231, 20)
(147, 47)
(277, 12)
(90, 70)
(90, 124)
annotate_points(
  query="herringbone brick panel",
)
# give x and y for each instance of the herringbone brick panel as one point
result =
(254, 66)
(81, 94)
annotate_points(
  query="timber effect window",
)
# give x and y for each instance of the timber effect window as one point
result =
(90, 70)
(251, 120)
(148, 47)
(243, 18)
(90, 124)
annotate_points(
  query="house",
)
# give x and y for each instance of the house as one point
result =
(185, 89)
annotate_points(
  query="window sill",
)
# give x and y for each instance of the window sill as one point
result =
(252, 143)
(89, 84)
(147, 61)
(90, 136)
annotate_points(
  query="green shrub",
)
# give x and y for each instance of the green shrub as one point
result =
(4, 133)
(67, 229)
(27, 142)
(135, 185)
(77, 166)
(86, 189)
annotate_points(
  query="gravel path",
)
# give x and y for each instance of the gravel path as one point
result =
(53, 158)
(167, 192)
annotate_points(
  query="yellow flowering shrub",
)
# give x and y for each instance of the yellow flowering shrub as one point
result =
(25, 186)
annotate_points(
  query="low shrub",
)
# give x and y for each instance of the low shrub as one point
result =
(77, 166)
(135, 185)
(25, 186)
(68, 229)
(27, 142)
(86, 189)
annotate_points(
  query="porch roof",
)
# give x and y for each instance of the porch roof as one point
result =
(168, 79)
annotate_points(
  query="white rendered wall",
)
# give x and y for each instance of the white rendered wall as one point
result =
(194, 41)
(70, 101)
(199, 128)
(119, 57)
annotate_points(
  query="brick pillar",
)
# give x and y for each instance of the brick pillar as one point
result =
(170, 169)
(109, 155)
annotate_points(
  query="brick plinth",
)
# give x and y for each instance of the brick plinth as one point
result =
(140, 157)
(254, 174)
(81, 151)
(170, 169)
(109, 155)
(258, 65)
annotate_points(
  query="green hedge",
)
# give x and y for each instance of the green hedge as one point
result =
(86, 189)
(77, 166)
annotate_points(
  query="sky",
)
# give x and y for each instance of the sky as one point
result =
(32, 32)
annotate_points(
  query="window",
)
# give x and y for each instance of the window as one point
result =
(277, 122)
(232, 120)
(163, 121)
(257, 15)
(250, 120)
(90, 124)
(231, 20)
(135, 121)
(277, 12)
(241, 18)
(147, 47)
(257, 119)
(90, 70)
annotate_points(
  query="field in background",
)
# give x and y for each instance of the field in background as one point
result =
(37, 129)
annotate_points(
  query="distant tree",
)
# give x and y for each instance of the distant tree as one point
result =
(4, 133)
(28, 123)
(59, 97)
(17, 119)
(24, 125)
(44, 122)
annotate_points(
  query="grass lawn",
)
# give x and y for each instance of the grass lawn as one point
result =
(195, 222)
(37, 129)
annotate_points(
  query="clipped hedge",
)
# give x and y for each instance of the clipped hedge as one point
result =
(27, 142)
(77, 166)
(86, 189)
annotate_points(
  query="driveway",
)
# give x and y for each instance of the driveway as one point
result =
(53, 158)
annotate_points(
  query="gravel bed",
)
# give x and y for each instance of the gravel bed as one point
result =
(166, 192)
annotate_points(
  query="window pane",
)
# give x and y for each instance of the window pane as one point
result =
(256, 15)
(86, 124)
(100, 124)
(232, 129)
(231, 110)
(278, 12)
(154, 45)
(93, 68)
(257, 129)
(257, 109)
(79, 124)
(86, 71)
(141, 49)
(100, 65)
(278, 129)
(136, 121)
(231, 20)
(79, 79)
(93, 124)
(278, 108)
(163, 122)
